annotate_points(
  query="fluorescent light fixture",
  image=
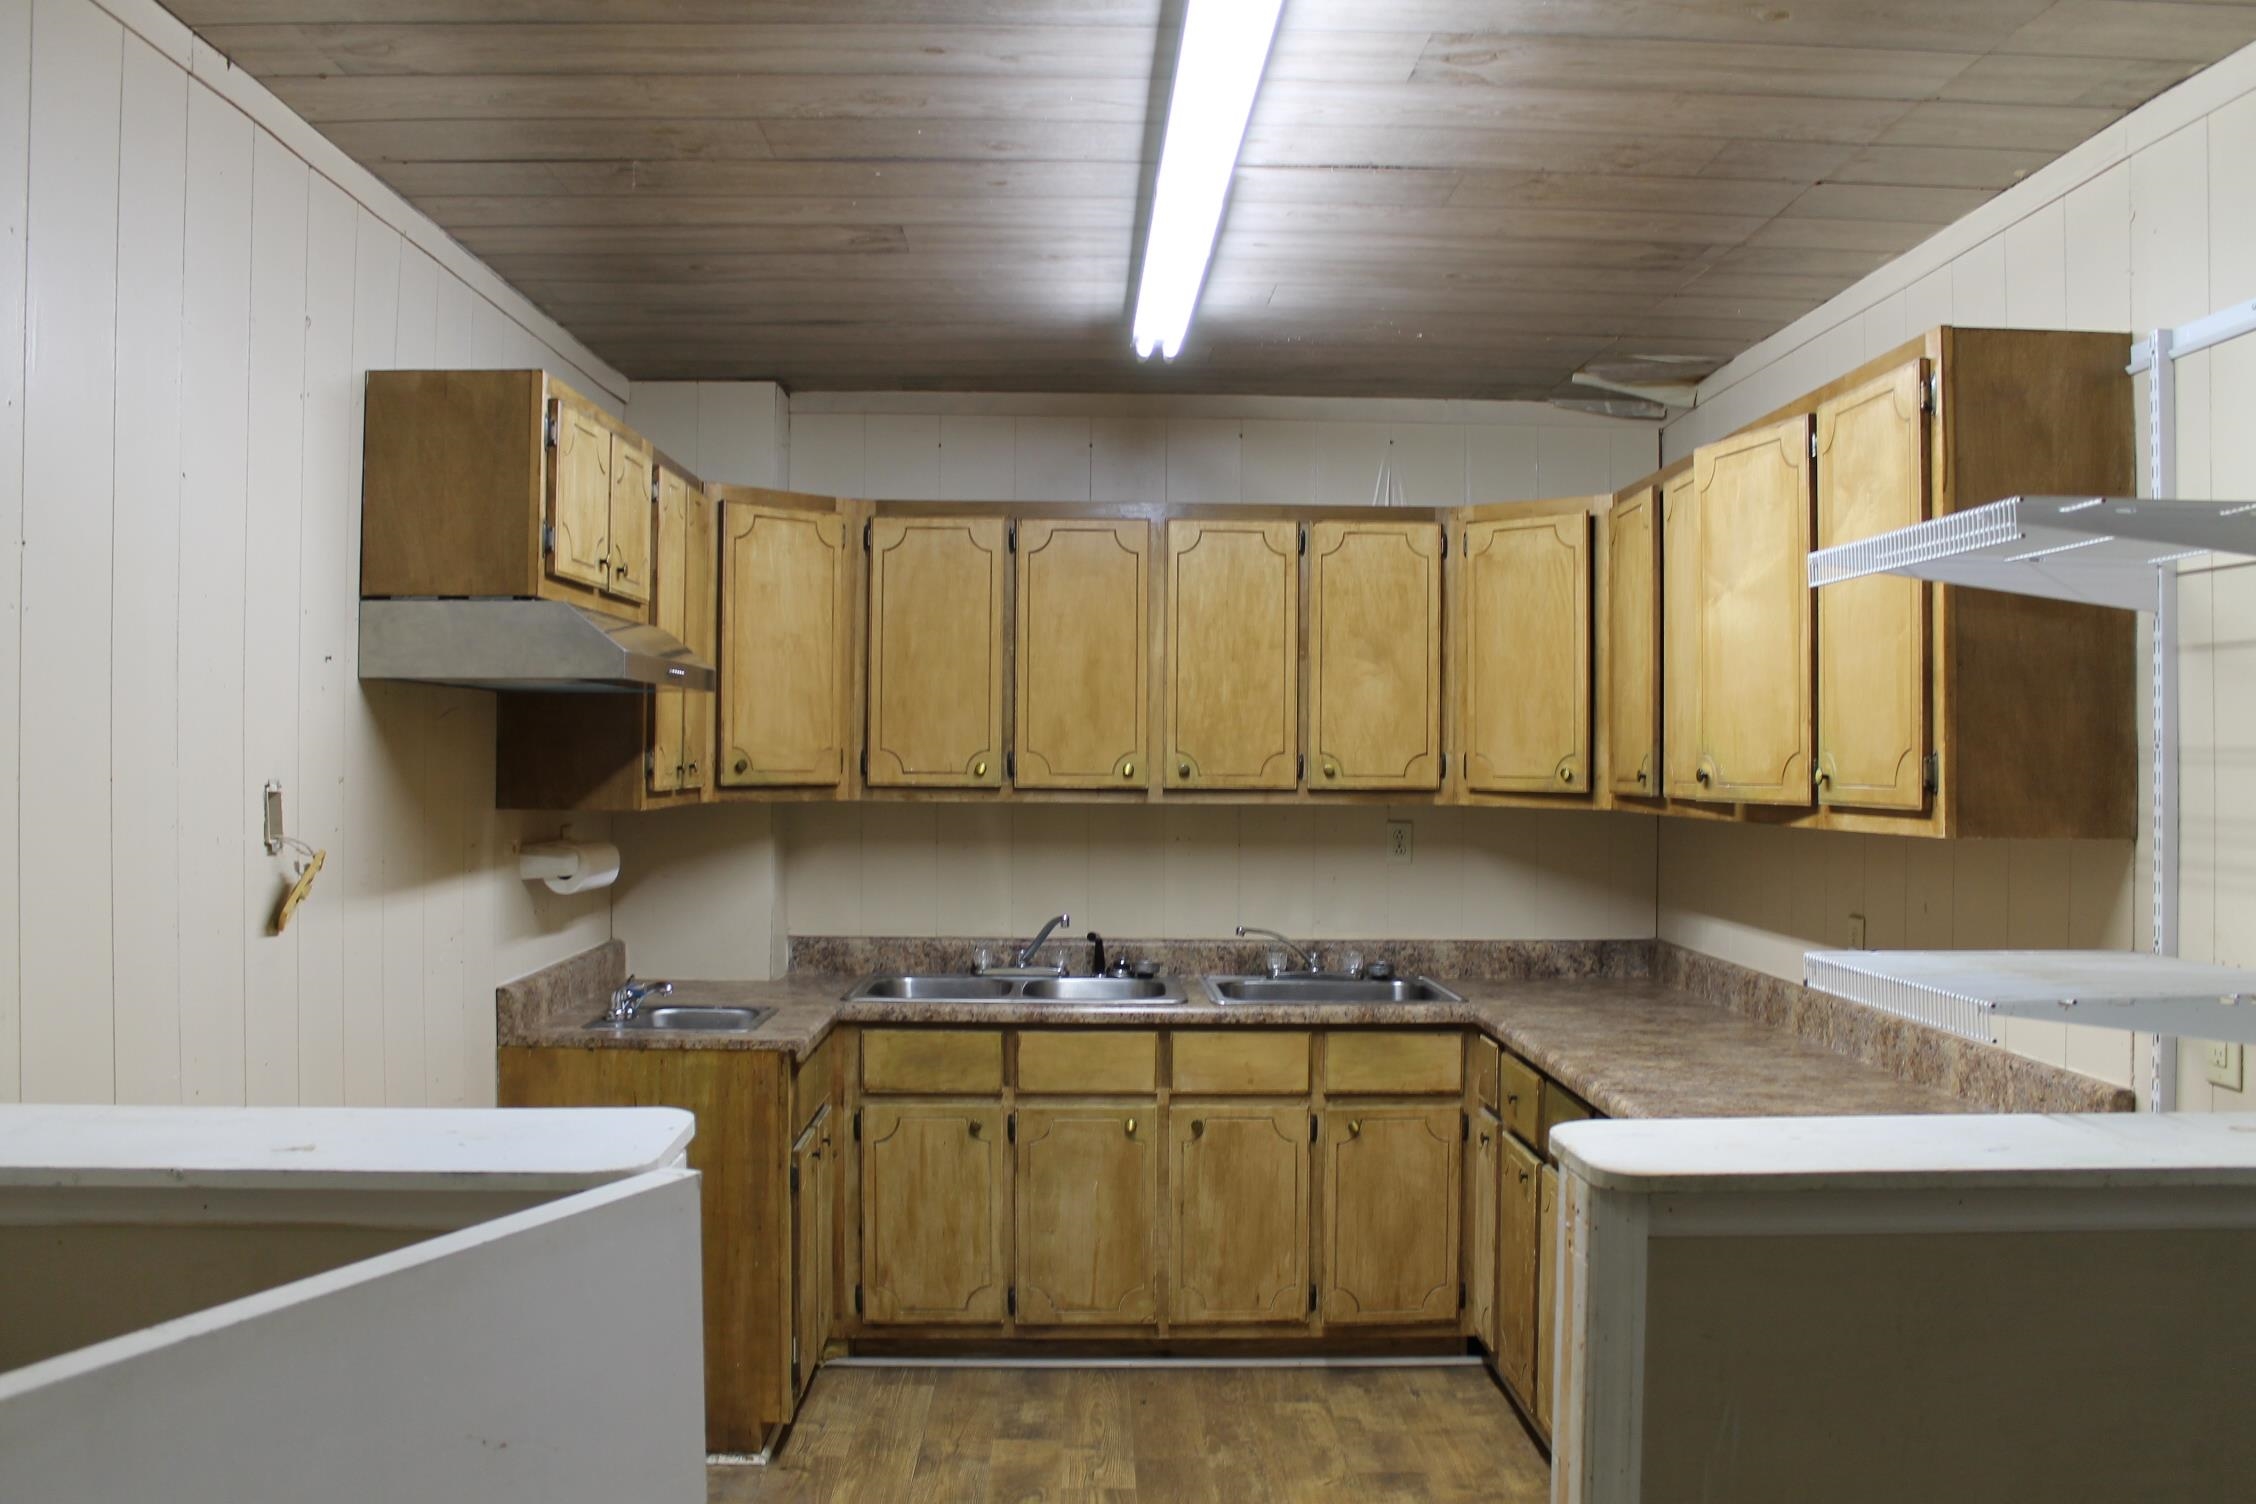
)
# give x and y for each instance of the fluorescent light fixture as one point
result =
(1225, 45)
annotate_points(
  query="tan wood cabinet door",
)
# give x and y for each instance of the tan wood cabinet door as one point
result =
(1546, 1296)
(1872, 477)
(1088, 1213)
(668, 758)
(1239, 1223)
(1754, 672)
(1633, 644)
(932, 1212)
(786, 620)
(936, 651)
(1680, 639)
(1483, 1166)
(579, 497)
(1392, 1191)
(1519, 1219)
(632, 499)
(813, 1207)
(1233, 655)
(701, 610)
(1524, 674)
(1084, 645)
(1374, 655)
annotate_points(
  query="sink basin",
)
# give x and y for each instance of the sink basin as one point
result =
(691, 1018)
(935, 989)
(1095, 990)
(1327, 990)
(1017, 990)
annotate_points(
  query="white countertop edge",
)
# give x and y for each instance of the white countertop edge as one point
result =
(392, 1148)
(1691, 1156)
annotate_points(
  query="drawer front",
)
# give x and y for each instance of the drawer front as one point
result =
(1255, 1062)
(1522, 1106)
(932, 1060)
(1088, 1060)
(1561, 1106)
(1486, 1057)
(1371, 1060)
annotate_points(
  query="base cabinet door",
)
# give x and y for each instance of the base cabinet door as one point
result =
(933, 1247)
(1391, 1195)
(1546, 1296)
(1483, 1165)
(1088, 1213)
(1239, 1223)
(1518, 1215)
(814, 1188)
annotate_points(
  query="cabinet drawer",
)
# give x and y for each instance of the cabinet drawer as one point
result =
(1087, 1060)
(1485, 1060)
(1370, 1060)
(1561, 1106)
(1522, 1106)
(932, 1060)
(1254, 1061)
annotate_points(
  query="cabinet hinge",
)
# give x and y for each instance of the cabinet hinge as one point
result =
(857, 1139)
(1931, 395)
(1931, 773)
(1465, 1127)
(649, 762)
(548, 537)
(1300, 768)
(1312, 1299)
(1304, 538)
(1813, 441)
(1312, 1128)
(1010, 537)
(1445, 543)
(795, 1372)
(865, 536)
(794, 1180)
(1010, 1127)
(1010, 1300)
(865, 764)
(654, 485)
(1460, 1295)
(548, 428)
(857, 1300)
(1010, 764)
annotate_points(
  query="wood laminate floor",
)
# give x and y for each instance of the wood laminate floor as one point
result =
(1149, 1436)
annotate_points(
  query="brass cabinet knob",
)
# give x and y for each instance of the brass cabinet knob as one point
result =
(1131, 1127)
(1701, 777)
(1566, 775)
(744, 765)
(1640, 775)
(1484, 1138)
(1354, 1127)
(1331, 770)
(1182, 770)
(1128, 770)
(693, 770)
(974, 1126)
(979, 768)
(1198, 1127)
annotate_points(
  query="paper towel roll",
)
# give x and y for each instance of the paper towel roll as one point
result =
(569, 866)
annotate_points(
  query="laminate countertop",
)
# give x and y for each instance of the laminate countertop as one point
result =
(1631, 1047)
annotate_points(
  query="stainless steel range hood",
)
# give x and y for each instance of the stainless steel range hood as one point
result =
(522, 644)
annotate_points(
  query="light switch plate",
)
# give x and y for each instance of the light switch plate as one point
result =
(2226, 1063)
(1401, 841)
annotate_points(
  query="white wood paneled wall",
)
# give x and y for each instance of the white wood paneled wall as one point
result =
(192, 285)
(2150, 223)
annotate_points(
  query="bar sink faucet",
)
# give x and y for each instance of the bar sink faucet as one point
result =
(1308, 961)
(627, 1001)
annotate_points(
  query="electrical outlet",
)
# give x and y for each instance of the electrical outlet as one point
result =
(1856, 932)
(2225, 1063)
(1401, 841)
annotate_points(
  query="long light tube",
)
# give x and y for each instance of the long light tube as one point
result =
(1217, 71)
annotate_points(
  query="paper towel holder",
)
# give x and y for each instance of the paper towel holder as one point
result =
(568, 866)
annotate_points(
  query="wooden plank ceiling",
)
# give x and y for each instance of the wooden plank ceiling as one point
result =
(1465, 198)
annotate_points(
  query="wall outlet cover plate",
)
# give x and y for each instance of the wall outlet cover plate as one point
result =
(2225, 1063)
(1401, 840)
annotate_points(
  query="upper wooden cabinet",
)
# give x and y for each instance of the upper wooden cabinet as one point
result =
(787, 629)
(1632, 635)
(1087, 1203)
(1083, 650)
(504, 483)
(686, 604)
(1522, 666)
(1872, 477)
(1752, 616)
(1680, 637)
(1233, 655)
(936, 651)
(1374, 655)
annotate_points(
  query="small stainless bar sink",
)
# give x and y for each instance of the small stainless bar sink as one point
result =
(688, 1018)
(1324, 989)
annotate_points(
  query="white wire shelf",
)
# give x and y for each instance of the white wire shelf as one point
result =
(2099, 550)
(1965, 992)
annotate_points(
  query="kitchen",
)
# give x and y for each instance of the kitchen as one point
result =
(1329, 624)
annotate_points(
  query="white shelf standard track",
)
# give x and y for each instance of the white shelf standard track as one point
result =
(2108, 551)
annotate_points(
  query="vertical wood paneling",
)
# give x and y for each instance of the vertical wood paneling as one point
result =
(271, 619)
(64, 717)
(418, 343)
(216, 829)
(145, 658)
(15, 162)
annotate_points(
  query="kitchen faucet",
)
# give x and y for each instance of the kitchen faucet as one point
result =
(1042, 935)
(1308, 961)
(629, 996)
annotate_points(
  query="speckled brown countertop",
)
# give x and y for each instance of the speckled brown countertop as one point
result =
(1631, 1047)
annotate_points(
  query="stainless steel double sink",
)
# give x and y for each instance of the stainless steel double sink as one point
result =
(1142, 992)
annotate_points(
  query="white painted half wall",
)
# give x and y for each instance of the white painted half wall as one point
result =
(2150, 223)
(195, 283)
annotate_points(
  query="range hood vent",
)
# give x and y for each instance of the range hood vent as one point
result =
(522, 644)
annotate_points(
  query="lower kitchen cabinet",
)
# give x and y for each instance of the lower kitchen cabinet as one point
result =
(1546, 1296)
(933, 1214)
(1391, 1193)
(1087, 1204)
(1483, 1165)
(1239, 1226)
(1518, 1219)
(814, 1203)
